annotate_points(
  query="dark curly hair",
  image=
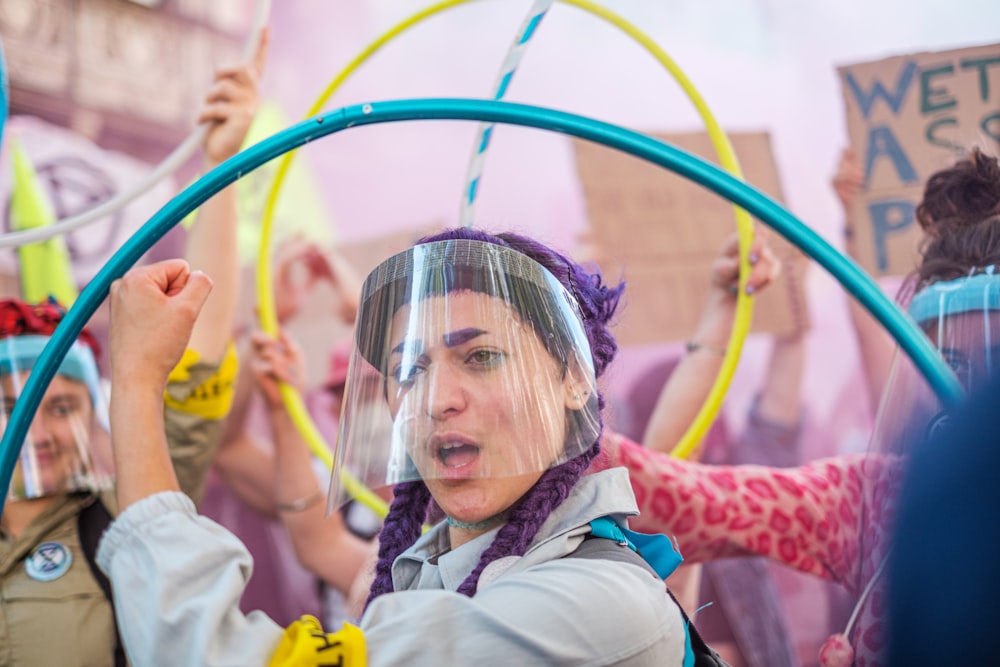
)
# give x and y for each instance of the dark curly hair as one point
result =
(960, 216)
(411, 500)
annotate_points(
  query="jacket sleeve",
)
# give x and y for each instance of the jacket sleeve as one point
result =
(808, 517)
(177, 579)
(197, 399)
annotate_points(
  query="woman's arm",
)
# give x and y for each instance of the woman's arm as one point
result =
(324, 546)
(874, 344)
(690, 383)
(809, 517)
(211, 244)
(153, 309)
(177, 577)
(200, 389)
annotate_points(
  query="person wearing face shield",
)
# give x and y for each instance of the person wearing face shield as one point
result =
(56, 604)
(67, 445)
(833, 517)
(478, 355)
(941, 599)
(61, 495)
(287, 473)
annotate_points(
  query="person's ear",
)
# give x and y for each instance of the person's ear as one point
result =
(576, 390)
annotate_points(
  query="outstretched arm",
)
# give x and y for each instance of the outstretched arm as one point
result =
(692, 380)
(199, 391)
(211, 243)
(244, 460)
(874, 343)
(177, 577)
(324, 546)
(153, 309)
(808, 517)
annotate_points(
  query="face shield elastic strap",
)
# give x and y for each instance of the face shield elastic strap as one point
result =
(976, 293)
(19, 353)
(980, 292)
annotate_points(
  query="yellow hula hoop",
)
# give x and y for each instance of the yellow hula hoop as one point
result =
(727, 157)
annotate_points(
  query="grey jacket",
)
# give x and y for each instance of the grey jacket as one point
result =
(539, 609)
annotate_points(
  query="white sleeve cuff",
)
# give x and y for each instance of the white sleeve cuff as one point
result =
(136, 517)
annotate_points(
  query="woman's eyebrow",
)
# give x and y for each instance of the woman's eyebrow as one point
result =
(456, 338)
(417, 344)
(451, 339)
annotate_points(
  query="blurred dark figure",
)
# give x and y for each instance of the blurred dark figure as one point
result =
(944, 583)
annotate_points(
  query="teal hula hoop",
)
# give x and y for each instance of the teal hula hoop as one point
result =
(765, 209)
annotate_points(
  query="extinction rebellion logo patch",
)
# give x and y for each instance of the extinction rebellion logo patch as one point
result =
(49, 561)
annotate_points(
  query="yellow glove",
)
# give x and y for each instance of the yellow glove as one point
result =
(306, 644)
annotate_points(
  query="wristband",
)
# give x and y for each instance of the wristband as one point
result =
(694, 346)
(302, 503)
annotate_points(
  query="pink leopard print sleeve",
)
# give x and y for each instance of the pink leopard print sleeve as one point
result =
(807, 517)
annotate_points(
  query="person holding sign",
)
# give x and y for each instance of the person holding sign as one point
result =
(833, 517)
(874, 344)
(482, 353)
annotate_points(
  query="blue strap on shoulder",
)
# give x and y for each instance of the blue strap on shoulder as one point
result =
(657, 550)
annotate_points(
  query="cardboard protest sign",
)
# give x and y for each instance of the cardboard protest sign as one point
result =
(661, 233)
(907, 117)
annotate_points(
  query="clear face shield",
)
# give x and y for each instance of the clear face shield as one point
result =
(470, 361)
(68, 445)
(962, 320)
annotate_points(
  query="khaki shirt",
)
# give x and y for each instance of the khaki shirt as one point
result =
(68, 621)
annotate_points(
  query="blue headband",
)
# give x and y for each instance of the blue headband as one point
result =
(979, 293)
(19, 353)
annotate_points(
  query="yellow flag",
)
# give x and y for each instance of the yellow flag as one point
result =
(45, 266)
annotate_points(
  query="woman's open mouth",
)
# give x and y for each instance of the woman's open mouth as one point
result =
(456, 458)
(457, 454)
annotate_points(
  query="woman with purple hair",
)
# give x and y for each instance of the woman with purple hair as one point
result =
(472, 390)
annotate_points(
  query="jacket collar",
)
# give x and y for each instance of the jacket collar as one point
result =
(430, 562)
